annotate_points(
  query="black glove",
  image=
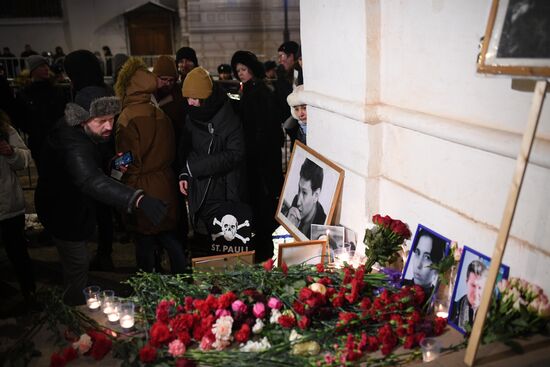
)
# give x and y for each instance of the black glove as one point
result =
(153, 208)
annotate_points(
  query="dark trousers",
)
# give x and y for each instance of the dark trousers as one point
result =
(75, 260)
(105, 229)
(145, 251)
(13, 239)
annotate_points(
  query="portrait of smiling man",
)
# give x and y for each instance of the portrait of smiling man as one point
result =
(305, 209)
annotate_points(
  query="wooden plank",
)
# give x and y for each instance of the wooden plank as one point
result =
(508, 216)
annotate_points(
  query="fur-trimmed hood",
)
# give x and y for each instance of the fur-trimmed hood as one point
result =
(91, 102)
(294, 99)
(135, 83)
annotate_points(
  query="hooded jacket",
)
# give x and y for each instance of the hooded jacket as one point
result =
(147, 132)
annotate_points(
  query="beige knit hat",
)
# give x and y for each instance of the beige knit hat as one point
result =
(165, 66)
(197, 84)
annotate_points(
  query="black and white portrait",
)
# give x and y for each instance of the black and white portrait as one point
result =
(517, 38)
(311, 188)
(428, 248)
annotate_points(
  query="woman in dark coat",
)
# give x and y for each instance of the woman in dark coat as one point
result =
(263, 134)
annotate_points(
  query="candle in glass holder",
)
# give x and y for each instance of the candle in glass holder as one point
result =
(107, 297)
(93, 303)
(126, 314)
(91, 295)
(113, 317)
(430, 349)
(441, 310)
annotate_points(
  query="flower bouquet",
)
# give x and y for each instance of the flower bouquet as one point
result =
(383, 242)
(521, 309)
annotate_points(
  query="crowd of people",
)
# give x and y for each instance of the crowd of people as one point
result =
(160, 149)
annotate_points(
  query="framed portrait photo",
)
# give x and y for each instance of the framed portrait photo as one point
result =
(428, 248)
(335, 236)
(310, 192)
(516, 40)
(223, 261)
(470, 281)
(305, 252)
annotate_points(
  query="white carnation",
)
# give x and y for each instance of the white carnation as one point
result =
(275, 314)
(252, 346)
(258, 326)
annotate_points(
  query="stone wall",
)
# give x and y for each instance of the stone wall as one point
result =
(422, 136)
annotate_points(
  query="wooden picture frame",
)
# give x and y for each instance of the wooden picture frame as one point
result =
(515, 41)
(305, 252)
(223, 260)
(478, 264)
(299, 199)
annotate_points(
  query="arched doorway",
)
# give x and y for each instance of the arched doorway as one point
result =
(150, 29)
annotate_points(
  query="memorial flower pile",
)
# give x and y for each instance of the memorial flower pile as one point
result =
(383, 242)
(318, 318)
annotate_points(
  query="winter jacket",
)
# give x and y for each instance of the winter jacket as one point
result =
(147, 132)
(262, 136)
(214, 155)
(70, 179)
(12, 202)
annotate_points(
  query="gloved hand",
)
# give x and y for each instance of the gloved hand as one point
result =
(153, 208)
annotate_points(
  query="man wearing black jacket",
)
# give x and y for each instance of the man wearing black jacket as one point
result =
(71, 178)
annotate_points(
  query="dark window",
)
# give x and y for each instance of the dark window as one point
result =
(31, 9)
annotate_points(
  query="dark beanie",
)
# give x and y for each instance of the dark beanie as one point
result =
(84, 70)
(187, 53)
(249, 60)
(268, 65)
(290, 47)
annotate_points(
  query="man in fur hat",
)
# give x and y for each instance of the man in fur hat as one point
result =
(71, 178)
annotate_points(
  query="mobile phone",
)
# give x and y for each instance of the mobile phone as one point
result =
(124, 160)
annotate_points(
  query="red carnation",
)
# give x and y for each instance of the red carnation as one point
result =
(185, 338)
(298, 307)
(100, 348)
(188, 303)
(163, 310)
(287, 321)
(160, 334)
(372, 344)
(439, 325)
(57, 361)
(184, 362)
(243, 334)
(268, 265)
(69, 354)
(410, 342)
(284, 268)
(365, 303)
(226, 299)
(386, 349)
(305, 293)
(147, 354)
(320, 268)
(304, 322)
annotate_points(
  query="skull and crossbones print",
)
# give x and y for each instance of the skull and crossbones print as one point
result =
(229, 227)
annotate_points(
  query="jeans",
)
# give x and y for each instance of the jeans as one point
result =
(145, 251)
(13, 238)
(75, 260)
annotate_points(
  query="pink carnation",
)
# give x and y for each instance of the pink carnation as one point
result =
(238, 306)
(259, 310)
(275, 303)
(176, 348)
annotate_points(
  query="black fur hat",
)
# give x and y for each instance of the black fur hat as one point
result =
(250, 60)
(91, 102)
